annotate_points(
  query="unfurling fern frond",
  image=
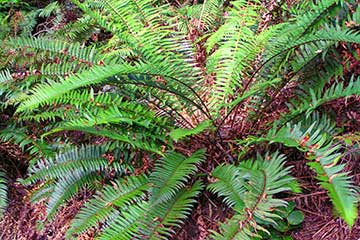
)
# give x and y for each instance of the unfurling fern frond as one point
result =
(3, 193)
(250, 188)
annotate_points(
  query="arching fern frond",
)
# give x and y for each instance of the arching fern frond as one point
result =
(87, 54)
(316, 99)
(69, 172)
(250, 191)
(135, 139)
(137, 206)
(324, 155)
(328, 34)
(122, 195)
(171, 174)
(163, 217)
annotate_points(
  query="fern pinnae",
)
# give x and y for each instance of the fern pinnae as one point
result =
(43, 191)
(310, 103)
(86, 158)
(252, 197)
(228, 185)
(125, 224)
(3, 193)
(67, 187)
(58, 47)
(330, 34)
(5, 76)
(318, 13)
(171, 173)
(123, 194)
(325, 157)
(166, 214)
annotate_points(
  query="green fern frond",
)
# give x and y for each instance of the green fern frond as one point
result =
(316, 15)
(180, 133)
(3, 193)
(238, 46)
(329, 34)
(43, 192)
(168, 214)
(208, 14)
(171, 174)
(20, 136)
(88, 54)
(123, 194)
(67, 187)
(250, 191)
(316, 99)
(85, 159)
(228, 185)
(45, 93)
(126, 223)
(134, 139)
(325, 155)
(5, 76)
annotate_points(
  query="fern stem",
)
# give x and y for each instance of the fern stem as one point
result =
(170, 91)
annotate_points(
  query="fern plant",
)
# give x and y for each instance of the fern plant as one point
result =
(168, 73)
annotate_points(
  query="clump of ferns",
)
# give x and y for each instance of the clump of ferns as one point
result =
(171, 80)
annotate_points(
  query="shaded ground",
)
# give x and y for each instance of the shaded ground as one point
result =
(24, 221)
